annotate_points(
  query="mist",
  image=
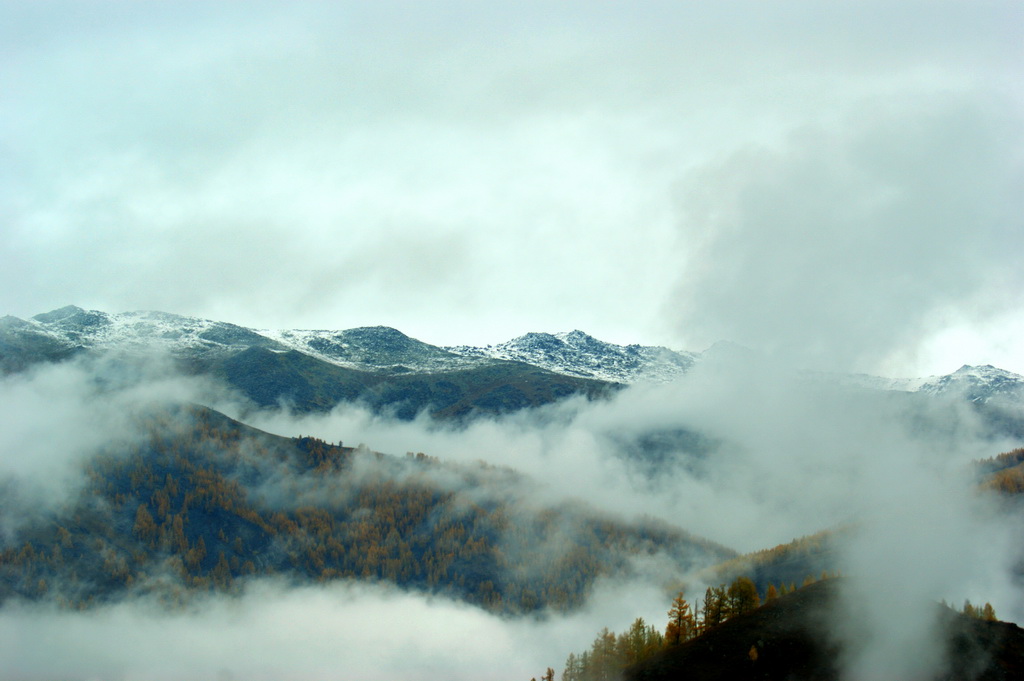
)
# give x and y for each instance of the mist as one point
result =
(58, 416)
(794, 453)
(843, 245)
(794, 444)
(789, 454)
(273, 631)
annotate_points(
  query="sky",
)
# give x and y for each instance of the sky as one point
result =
(839, 184)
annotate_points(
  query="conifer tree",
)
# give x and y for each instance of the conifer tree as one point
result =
(681, 623)
(145, 527)
(713, 608)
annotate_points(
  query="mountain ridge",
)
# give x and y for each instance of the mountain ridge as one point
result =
(314, 370)
(573, 353)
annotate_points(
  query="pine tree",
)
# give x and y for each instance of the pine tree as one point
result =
(713, 609)
(572, 671)
(742, 596)
(681, 623)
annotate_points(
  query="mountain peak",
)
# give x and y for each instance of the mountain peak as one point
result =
(977, 383)
(578, 338)
(12, 322)
(576, 353)
(59, 314)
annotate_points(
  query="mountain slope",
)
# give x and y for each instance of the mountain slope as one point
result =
(314, 370)
(787, 640)
(201, 501)
(304, 383)
(578, 354)
(977, 384)
(23, 344)
(304, 370)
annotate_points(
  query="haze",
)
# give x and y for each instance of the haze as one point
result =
(840, 183)
(837, 186)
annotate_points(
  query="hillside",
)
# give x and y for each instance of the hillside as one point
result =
(306, 371)
(201, 502)
(303, 383)
(787, 640)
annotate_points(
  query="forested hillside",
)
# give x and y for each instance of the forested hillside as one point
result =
(304, 383)
(201, 502)
(734, 632)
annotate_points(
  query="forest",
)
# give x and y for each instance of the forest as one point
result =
(612, 654)
(202, 503)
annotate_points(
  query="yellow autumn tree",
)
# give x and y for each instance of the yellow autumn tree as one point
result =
(681, 623)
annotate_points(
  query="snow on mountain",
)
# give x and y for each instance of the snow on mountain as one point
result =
(578, 354)
(973, 383)
(868, 381)
(371, 347)
(977, 384)
(144, 330)
(55, 334)
(367, 348)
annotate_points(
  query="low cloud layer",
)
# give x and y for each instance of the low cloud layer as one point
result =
(56, 417)
(793, 454)
(789, 454)
(280, 632)
(796, 448)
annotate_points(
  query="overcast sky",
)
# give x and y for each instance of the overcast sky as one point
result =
(836, 182)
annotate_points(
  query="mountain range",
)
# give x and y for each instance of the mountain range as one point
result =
(532, 369)
(196, 501)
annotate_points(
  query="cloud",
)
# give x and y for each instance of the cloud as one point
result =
(779, 444)
(274, 631)
(323, 165)
(58, 416)
(848, 184)
(844, 246)
(910, 551)
(790, 454)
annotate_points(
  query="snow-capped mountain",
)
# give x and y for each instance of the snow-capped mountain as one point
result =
(141, 330)
(367, 348)
(60, 333)
(977, 384)
(370, 348)
(578, 354)
(575, 354)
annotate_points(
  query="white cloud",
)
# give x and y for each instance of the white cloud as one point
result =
(796, 455)
(338, 631)
(463, 172)
(837, 250)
